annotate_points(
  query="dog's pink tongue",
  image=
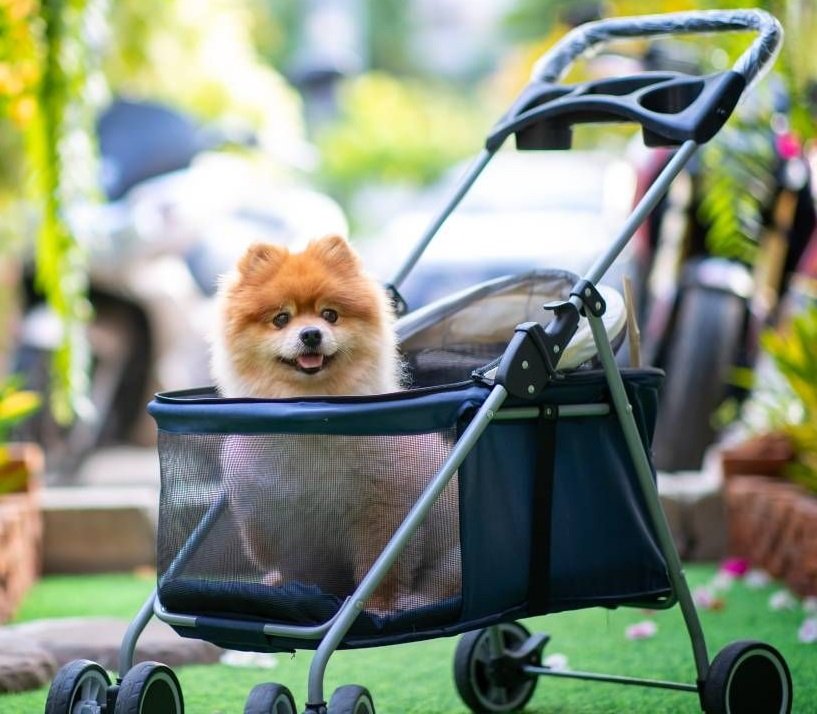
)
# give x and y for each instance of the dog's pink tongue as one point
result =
(310, 361)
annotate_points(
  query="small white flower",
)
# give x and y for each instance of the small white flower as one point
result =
(782, 600)
(810, 605)
(756, 579)
(556, 661)
(722, 581)
(262, 660)
(703, 597)
(807, 634)
(641, 630)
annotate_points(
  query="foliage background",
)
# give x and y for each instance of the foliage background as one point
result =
(60, 60)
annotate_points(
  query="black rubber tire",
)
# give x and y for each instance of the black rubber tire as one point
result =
(477, 689)
(150, 688)
(270, 698)
(748, 677)
(78, 681)
(351, 699)
(702, 351)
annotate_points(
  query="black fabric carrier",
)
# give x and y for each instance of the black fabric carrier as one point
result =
(539, 568)
(527, 546)
(266, 506)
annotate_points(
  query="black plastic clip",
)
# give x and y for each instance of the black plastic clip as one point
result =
(398, 304)
(529, 362)
(525, 367)
(592, 301)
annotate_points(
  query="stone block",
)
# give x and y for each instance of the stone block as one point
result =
(99, 638)
(693, 503)
(24, 664)
(98, 529)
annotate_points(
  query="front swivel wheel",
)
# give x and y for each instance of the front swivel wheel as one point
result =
(351, 699)
(79, 686)
(748, 677)
(149, 688)
(270, 698)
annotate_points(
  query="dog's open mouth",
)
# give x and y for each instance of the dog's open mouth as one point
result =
(309, 362)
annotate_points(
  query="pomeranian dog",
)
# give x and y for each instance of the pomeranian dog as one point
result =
(304, 324)
(318, 509)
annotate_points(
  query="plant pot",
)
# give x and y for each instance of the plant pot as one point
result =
(773, 524)
(761, 455)
(21, 524)
(21, 468)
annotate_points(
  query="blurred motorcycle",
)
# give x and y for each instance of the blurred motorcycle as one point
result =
(702, 312)
(183, 203)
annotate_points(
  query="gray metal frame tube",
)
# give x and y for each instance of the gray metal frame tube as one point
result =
(135, 629)
(465, 184)
(647, 203)
(138, 624)
(624, 410)
(612, 678)
(353, 606)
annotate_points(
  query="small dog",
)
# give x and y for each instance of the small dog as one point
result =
(319, 509)
(304, 324)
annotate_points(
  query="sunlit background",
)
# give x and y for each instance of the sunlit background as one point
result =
(145, 144)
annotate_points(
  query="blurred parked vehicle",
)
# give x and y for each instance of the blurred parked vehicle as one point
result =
(527, 210)
(181, 209)
(702, 312)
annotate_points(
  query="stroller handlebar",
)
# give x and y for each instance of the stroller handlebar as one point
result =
(751, 64)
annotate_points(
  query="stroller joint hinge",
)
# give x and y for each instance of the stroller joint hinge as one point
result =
(592, 301)
(526, 366)
(315, 708)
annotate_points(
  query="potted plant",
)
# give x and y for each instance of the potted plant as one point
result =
(773, 521)
(20, 462)
(21, 466)
(793, 351)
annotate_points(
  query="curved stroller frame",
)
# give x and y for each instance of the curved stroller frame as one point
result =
(672, 109)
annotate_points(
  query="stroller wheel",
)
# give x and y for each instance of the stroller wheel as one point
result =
(351, 699)
(748, 676)
(147, 688)
(270, 699)
(80, 685)
(490, 683)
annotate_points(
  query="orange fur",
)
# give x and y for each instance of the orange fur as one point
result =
(252, 357)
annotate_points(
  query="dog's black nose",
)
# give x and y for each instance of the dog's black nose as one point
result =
(311, 336)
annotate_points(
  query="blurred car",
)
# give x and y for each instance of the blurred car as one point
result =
(555, 209)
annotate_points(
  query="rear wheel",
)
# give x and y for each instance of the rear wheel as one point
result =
(491, 682)
(701, 354)
(748, 677)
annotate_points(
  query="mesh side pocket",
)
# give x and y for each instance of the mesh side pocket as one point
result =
(453, 363)
(303, 518)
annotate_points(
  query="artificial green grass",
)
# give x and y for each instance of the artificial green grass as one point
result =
(415, 678)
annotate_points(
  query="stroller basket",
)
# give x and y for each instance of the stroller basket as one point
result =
(303, 487)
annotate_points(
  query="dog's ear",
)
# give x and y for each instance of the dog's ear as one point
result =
(333, 250)
(260, 257)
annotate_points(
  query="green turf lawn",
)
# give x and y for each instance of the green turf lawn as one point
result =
(415, 678)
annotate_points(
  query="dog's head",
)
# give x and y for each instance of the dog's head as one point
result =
(303, 323)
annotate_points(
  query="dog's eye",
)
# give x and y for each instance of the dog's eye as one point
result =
(281, 319)
(330, 315)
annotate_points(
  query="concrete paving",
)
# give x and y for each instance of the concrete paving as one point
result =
(31, 653)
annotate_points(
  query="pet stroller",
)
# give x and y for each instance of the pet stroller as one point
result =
(519, 420)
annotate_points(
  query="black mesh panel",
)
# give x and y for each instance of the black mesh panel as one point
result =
(450, 363)
(293, 522)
